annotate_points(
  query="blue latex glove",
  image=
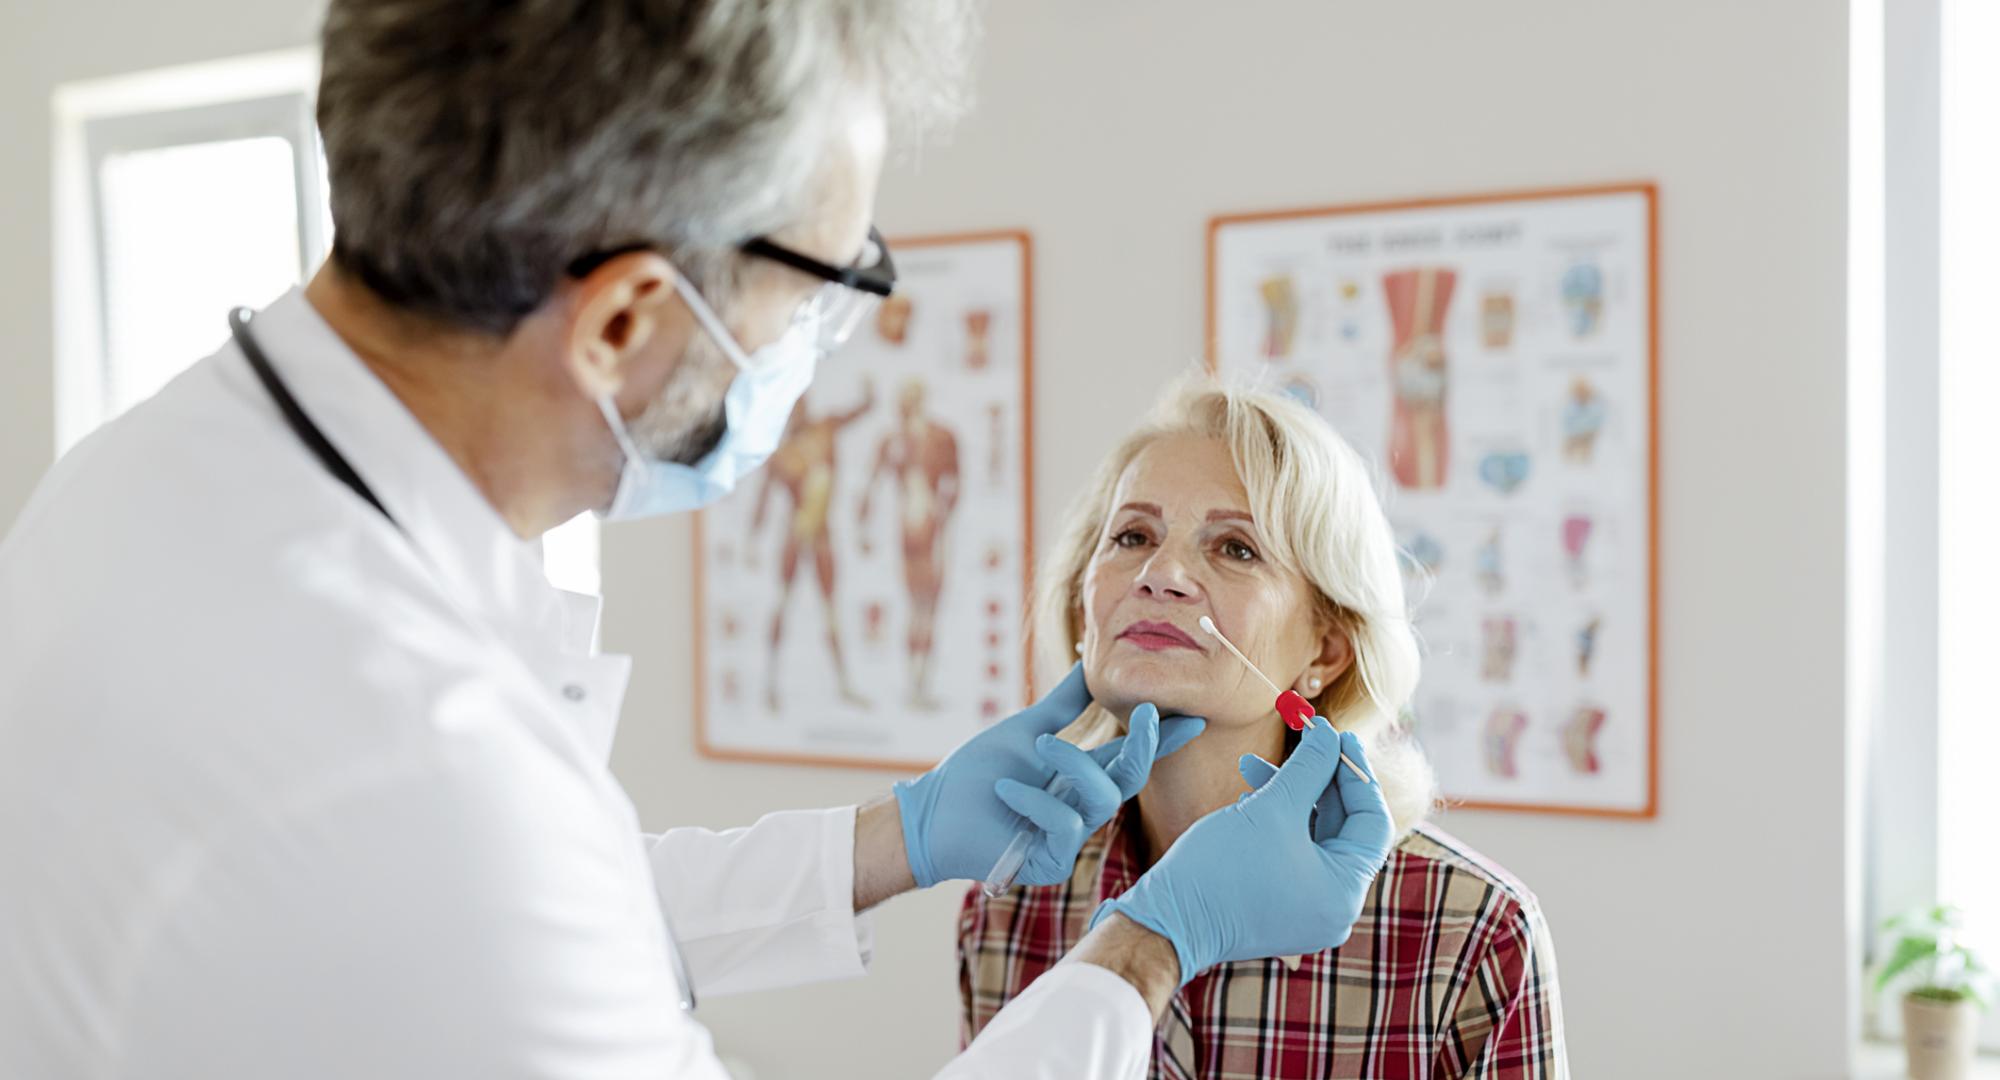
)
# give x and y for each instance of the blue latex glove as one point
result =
(1328, 814)
(960, 816)
(1256, 879)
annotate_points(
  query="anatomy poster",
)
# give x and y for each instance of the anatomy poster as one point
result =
(1494, 359)
(862, 595)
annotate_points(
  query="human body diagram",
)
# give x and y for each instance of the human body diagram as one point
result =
(921, 459)
(805, 467)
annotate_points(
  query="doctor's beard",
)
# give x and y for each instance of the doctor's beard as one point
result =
(687, 421)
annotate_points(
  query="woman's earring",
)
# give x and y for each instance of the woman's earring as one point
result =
(1312, 684)
(1079, 648)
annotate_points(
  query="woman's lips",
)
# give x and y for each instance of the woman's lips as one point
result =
(1158, 636)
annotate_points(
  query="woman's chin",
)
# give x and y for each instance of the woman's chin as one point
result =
(1170, 682)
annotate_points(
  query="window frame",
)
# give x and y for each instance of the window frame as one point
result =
(266, 94)
(286, 116)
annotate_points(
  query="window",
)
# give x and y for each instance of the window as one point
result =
(1968, 453)
(1931, 807)
(180, 194)
(196, 211)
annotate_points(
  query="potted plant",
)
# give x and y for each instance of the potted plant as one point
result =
(1944, 987)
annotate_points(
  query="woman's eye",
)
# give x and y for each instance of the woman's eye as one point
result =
(1128, 538)
(1238, 550)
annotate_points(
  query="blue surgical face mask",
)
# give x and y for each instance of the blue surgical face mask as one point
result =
(756, 407)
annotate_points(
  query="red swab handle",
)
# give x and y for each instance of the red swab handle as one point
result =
(1295, 709)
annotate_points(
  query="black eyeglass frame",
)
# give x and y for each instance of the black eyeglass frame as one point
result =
(877, 278)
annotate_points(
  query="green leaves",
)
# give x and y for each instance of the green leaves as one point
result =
(1910, 951)
(1927, 961)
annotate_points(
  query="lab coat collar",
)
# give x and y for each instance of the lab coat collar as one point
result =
(476, 558)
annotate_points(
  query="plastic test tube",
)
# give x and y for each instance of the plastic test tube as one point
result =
(1008, 866)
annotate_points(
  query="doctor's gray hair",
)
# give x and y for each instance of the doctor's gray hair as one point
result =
(476, 148)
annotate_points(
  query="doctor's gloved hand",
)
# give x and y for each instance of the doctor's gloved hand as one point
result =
(1262, 878)
(960, 816)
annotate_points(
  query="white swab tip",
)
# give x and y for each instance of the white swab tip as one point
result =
(1208, 625)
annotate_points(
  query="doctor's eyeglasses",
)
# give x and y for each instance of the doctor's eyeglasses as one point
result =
(847, 296)
(850, 293)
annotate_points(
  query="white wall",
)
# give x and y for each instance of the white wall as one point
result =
(1708, 942)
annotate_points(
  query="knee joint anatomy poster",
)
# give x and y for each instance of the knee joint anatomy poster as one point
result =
(1495, 358)
(860, 598)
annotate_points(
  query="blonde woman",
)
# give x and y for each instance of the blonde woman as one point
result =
(1246, 507)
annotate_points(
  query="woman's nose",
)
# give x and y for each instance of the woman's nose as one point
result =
(1166, 577)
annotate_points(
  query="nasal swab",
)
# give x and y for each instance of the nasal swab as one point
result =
(1208, 624)
(1292, 705)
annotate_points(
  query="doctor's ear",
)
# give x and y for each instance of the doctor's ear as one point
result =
(618, 310)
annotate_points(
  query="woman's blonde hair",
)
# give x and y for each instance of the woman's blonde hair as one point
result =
(1318, 514)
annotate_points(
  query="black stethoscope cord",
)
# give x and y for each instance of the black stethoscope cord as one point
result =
(295, 416)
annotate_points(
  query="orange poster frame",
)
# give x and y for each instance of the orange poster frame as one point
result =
(707, 749)
(1650, 191)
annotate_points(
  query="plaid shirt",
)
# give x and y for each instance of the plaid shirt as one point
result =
(1449, 973)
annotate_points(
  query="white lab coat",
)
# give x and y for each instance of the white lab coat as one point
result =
(288, 792)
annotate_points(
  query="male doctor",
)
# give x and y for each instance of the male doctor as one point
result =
(303, 764)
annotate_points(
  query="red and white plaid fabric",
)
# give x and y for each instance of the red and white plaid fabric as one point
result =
(1449, 973)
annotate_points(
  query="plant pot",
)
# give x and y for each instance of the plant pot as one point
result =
(1939, 1037)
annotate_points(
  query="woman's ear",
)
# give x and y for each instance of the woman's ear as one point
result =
(1336, 655)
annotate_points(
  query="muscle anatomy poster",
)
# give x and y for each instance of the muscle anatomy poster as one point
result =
(1494, 357)
(862, 595)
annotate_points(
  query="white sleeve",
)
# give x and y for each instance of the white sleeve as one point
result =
(479, 913)
(765, 906)
(1075, 1020)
